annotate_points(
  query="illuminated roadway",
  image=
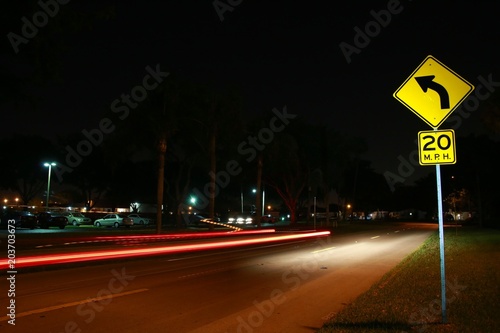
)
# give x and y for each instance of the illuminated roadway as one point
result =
(289, 286)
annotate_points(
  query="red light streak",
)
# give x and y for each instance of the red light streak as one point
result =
(52, 259)
(190, 235)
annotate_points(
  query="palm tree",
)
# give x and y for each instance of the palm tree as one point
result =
(192, 118)
(217, 116)
(183, 156)
(150, 127)
(165, 104)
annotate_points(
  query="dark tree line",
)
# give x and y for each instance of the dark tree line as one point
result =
(186, 136)
(189, 139)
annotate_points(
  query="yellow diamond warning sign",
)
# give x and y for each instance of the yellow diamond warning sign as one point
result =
(433, 91)
(437, 147)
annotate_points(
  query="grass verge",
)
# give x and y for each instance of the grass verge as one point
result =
(408, 298)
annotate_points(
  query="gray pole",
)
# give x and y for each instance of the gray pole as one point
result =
(48, 187)
(441, 242)
(263, 200)
(241, 201)
(314, 213)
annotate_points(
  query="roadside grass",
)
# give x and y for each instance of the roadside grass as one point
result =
(408, 298)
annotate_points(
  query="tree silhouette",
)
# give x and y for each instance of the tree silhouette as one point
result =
(490, 114)
(151, 125)
(216, 122)
(286, 162)
(476, 171)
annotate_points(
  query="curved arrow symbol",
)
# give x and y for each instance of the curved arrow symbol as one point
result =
(426, 82)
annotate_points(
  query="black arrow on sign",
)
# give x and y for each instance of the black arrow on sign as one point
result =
(426, 82)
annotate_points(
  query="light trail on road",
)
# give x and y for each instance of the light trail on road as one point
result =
(53, 259)
(156, 238)
(190, 235)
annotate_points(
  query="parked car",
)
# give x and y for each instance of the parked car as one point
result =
(49, 219)
(77, 219)
(24, 219)
(140, 219)
(114, 220)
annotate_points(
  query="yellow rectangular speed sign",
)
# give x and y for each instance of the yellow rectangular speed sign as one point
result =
(437, 147)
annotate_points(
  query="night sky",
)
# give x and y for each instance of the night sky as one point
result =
(276, 53)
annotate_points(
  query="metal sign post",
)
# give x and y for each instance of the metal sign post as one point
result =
(441, 243)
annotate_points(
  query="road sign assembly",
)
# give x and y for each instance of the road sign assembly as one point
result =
(433, 91)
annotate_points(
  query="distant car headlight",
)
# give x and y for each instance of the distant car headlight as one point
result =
(248, 220)
(231, 220)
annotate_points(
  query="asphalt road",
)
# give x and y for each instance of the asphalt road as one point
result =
(279, 287)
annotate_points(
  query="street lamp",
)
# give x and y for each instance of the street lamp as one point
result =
(263, 199)
(254, 190)
(192, 200)
(242, 197)
(346, 211)
(50, 165)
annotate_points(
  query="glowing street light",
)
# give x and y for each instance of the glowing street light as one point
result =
(49, 165)
(241, 198)
(346, 211)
